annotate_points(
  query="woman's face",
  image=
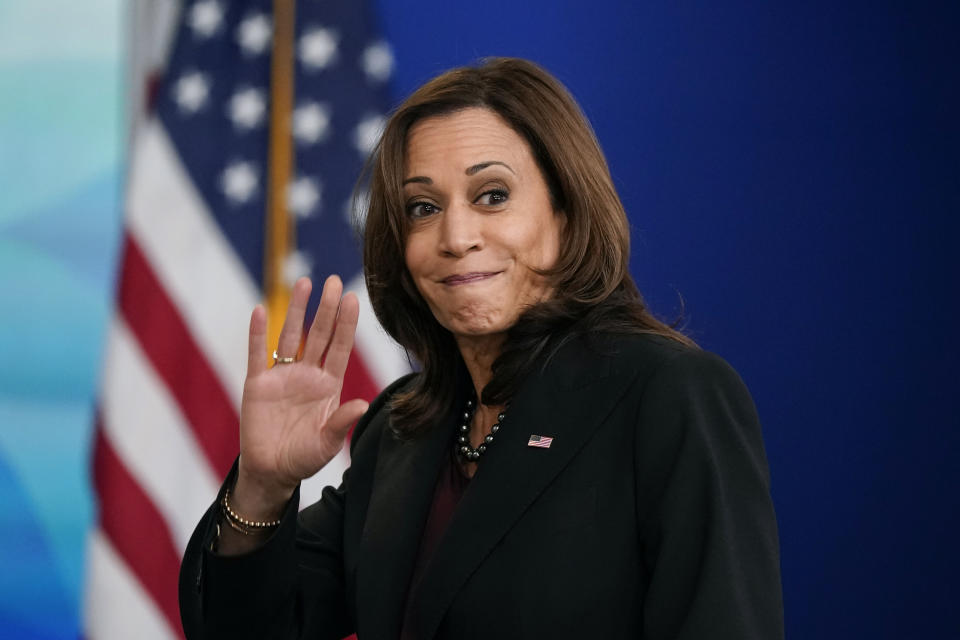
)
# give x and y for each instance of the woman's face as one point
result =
(480, 221)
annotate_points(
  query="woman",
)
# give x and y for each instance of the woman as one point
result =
(564, 464)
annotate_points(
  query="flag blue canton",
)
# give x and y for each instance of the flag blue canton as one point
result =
(214, 103)
(350, 88)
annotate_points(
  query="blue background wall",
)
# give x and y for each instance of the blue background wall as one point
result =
(792, 171)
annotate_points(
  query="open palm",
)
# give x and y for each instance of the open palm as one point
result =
(291, 419)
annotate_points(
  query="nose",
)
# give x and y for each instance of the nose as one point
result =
(461, 230)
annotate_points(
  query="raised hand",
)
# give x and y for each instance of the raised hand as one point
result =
(291, 419)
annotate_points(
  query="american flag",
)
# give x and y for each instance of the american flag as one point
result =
(192, 269)
(542, 442)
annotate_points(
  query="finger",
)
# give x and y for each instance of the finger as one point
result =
(339, 423)
(289, 342)
(257, 354)
(324, 320)
(338, 353)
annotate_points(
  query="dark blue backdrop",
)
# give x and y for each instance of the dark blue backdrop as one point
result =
(792, 170)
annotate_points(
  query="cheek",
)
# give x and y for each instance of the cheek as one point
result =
(416, 257)
(551, 248)
(554, 239)
(413, 256)
(543, 244)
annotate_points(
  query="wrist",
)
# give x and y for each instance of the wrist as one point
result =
(257, 500)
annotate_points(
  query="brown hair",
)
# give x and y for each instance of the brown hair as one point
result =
(593, 290)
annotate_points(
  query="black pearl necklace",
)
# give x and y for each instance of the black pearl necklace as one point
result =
(468, 453)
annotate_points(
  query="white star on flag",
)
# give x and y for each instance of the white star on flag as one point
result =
(254, 34)
(191, 91)
(239, 181)
(247, 108)
(311, 122)
(367, 133)
(296, 265)
(205, 18)
(377, 61)
(318, 48)
(303, 194)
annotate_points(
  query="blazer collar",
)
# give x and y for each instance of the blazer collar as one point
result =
(565, 401)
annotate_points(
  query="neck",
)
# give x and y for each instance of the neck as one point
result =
(478, 353)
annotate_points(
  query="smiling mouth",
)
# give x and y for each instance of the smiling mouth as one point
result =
(468, 278)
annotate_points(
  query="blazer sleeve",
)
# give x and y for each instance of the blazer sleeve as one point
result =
(290, 587)
(266, 592)
(709, 545)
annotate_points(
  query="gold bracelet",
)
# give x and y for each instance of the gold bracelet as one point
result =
(236, 526)
(242, 525)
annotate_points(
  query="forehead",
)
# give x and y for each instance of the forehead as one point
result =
(460, 139)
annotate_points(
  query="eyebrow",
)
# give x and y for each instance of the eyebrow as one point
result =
(471, 170)
(483, 165)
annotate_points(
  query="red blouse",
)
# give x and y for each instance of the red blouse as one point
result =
(451, 485)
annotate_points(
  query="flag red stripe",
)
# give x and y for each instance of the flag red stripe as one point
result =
(177, 358)
(357, 381)
(136, 529)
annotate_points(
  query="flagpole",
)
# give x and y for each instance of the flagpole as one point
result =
(280, 234)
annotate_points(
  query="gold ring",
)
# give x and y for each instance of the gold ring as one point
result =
(278, 360)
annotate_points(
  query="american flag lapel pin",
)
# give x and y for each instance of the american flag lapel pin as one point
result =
(543, 442)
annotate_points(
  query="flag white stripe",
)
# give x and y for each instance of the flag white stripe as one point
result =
(117, 607)
(150, 434)
(331, 475)
(199, 269)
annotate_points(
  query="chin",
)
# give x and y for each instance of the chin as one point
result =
(476, 326)
(474, 329)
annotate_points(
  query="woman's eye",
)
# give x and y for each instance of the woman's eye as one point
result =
(493, 197)
(421, 209)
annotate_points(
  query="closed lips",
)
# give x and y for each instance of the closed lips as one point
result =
(466, 278)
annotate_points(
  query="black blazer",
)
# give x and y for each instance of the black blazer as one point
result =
(649, 517)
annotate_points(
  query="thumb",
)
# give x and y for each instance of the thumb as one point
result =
(340, 421)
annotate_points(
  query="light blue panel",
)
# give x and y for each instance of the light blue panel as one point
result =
(56, 279)
(80, 229)
(60, 30)
(45, 482)
(62, 127)
(35, 601)
(51, 325)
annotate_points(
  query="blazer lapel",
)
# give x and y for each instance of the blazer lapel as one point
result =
(404, 482)
(563, 402)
